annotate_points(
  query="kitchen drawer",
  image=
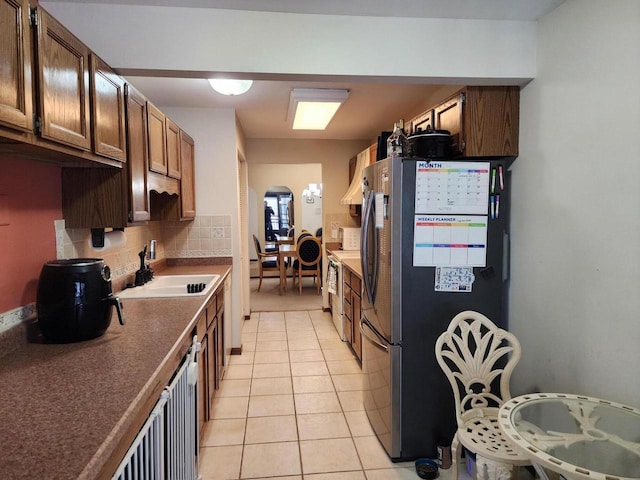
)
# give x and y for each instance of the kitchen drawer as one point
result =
(356, 285)
(346, 275)
(212, 308)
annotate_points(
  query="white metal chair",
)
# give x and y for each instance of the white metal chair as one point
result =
(478, 358)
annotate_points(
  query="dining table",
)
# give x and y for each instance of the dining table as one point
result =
(578, 437)
(285, 250)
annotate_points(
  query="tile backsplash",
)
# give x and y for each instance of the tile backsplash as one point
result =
(205, 236)
(333, 221)
(122, 259)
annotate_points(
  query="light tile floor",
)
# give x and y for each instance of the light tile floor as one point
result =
(290, 408)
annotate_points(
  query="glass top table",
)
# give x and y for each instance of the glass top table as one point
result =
(576, 436)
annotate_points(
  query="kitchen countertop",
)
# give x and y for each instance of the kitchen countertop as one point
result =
(66, 407)
(354, 265)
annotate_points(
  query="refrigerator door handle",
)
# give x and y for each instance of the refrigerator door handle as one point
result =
(372, 336)
(367, 250)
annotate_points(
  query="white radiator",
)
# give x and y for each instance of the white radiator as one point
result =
(181, 421)
(167, 446)
(145, 458)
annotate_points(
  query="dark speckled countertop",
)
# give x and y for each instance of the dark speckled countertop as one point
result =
(64, 408)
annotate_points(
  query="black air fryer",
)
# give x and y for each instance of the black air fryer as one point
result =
(75, 299)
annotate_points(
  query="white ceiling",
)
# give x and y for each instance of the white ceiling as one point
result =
(370, 108)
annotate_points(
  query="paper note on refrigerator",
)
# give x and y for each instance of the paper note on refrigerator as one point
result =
(452, 187)
(454, 279)
(450, 240)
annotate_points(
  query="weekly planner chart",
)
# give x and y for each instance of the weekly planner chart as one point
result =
(450, 225)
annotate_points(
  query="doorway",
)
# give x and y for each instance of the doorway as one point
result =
(278, 212)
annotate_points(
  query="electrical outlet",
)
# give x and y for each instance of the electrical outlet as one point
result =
(4, 209)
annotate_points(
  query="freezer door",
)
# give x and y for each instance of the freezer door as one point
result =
(381, 390)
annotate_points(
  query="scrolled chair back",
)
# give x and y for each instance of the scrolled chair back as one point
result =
(478, 358)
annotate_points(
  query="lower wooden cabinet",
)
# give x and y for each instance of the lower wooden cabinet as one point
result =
(353, 309)
(211, 361)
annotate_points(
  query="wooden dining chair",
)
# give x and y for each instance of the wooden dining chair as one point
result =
(267, 261)
(308, 263)
(478, 358)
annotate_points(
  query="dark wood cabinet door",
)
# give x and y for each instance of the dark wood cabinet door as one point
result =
(16, 108)
(421, 123)
(220, 347)
(188, 179)
(449, 116)
(107, 108)
(357, 336)
(137, 182)
(204, 412)
(348, 314)
(173, 149)
(492, 125)
(213, 380)
(156, 139)
(63, 81)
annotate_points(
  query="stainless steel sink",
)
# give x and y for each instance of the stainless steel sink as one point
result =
(172, 286)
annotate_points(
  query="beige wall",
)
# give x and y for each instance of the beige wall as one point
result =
(332, 155)
(295, 176)
(575, 215)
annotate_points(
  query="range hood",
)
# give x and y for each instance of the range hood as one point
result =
(354, 192)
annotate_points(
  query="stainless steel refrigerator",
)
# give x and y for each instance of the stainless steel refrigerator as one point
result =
(434, 243)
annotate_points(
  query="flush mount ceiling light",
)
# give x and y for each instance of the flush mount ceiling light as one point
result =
(313, 108)
(227, 86)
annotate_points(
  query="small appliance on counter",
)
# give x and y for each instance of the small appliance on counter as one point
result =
(349, 238)
(75, 300)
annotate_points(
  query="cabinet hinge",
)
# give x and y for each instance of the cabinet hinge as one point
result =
(130, 216)
(33, 17)
(462, 145)
(37, 124)
(463, 97)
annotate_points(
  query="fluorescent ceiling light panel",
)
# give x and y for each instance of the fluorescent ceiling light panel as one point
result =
(227, 86)
(313, 108)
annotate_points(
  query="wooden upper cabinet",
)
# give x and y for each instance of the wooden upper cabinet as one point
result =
(187, 182)
(449, 116)
(483, 121)
(156, 139)
(137, 178)
(492, 121)
(173, 149)
(422, 122)
(63, 81)
(107, 111)
(16, 108)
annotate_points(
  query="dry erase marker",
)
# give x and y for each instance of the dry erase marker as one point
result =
(493, 207)
(497, 205)
(501, 178)
(493, 180)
